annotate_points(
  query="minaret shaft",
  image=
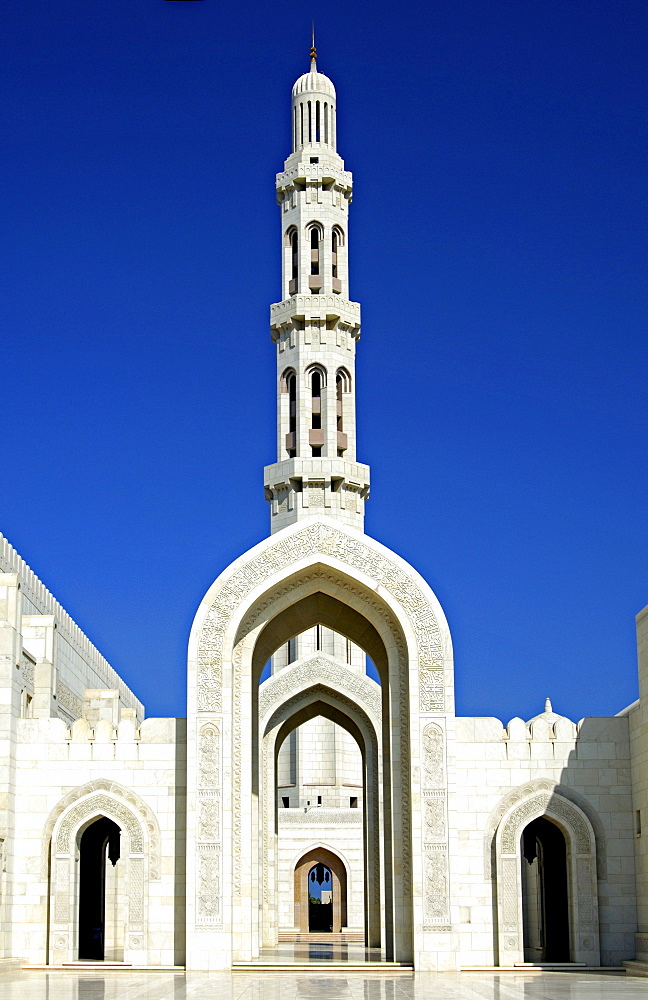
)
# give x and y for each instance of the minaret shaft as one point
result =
(315, 326)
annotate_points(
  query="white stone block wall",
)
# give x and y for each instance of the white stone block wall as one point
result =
(50, 765)
(486, 763)
(339, 831)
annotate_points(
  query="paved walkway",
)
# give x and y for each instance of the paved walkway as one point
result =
(18, 985)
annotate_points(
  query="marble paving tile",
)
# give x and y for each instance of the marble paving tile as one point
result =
(19, 985)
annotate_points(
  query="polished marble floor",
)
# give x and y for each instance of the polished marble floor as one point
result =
(18, 985)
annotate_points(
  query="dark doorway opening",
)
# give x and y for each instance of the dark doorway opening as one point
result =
(99, 844)
(320, 899)
(545, 902)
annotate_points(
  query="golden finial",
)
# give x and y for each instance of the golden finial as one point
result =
(313, 51)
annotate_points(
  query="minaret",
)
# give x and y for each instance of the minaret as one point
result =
(315, 326)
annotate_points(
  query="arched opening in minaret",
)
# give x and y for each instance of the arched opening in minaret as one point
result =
(101, 892)
(545, 902)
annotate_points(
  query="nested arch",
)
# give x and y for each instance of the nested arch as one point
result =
(284, 379)
(319, 699)
(315, 369)
(343, 379)
(318, 572)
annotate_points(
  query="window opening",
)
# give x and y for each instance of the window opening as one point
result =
(353, 802)
(292, 412)
(291, 650)
(315, 250)
(339, 403)
(319, 800)
(334, 248)
(316, 401)
(318, 637)
(325, 122)
(285, 801)
(310, 123)
(317, 121)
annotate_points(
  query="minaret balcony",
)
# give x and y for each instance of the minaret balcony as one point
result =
(342, 441)
(290, 441)
(337, 285)
(328, 306)
(316, 438)
(315, 282)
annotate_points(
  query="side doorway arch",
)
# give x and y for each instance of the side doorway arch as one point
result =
(118, 831)
(580, 889)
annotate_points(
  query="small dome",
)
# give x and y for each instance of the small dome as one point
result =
(314, 82)
(548, 715)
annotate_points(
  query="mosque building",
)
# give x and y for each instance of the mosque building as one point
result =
(321, 788)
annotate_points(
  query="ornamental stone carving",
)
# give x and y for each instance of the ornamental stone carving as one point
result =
(433, 765)
(436, 887)
(208, 886)
(537, 806)
(140, 813)
(557, 793)
(100, 805)
(354, 552)
(209, 756)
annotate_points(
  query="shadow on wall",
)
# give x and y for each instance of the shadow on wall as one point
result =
(560, 848)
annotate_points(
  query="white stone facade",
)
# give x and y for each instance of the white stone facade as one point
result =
(442, 834)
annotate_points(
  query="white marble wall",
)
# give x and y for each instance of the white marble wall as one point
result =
(486, 763)
(50, 764)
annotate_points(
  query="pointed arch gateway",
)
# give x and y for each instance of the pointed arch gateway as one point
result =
(128, 831)
(314, 572)
(580, 875)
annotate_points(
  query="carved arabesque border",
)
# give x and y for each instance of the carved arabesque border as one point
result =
(523, 792)
(130, 799)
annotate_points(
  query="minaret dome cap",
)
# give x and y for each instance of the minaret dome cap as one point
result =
(313, 83)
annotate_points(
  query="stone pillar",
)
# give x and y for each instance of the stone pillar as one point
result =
(10, 690)
(639, 755)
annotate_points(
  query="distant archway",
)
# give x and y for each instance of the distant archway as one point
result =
(303, 869)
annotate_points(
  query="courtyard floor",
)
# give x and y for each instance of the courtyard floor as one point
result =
(19, 985)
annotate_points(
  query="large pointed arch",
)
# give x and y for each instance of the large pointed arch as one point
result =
(321, 572)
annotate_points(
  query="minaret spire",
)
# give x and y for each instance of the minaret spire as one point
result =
(313, 51)
(315, 325)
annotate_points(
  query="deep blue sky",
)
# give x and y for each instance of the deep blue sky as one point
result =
(498, 248)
